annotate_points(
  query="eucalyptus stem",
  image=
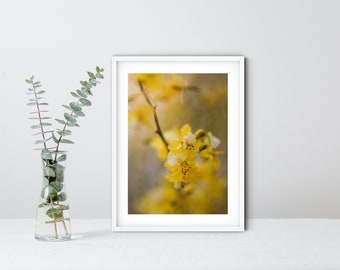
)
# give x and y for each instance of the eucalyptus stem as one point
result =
(148, 101)
(60, 137)
(39, 115)
(63, 220)
(54, 219)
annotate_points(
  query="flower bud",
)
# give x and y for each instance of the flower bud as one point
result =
(202, 147)
(199, 134)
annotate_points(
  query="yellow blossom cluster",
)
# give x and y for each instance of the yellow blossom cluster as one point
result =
(191, 184)
(191, 181)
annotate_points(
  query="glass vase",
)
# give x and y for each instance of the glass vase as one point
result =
(53, 217)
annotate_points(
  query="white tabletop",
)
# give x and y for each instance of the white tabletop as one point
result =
(267, 244)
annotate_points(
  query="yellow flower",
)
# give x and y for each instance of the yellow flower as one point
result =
(166, 85)
(185, 139)
(150, 81)
(172, 85)
(182, 167)
(141, 113)
(161, 199)
(157, 143)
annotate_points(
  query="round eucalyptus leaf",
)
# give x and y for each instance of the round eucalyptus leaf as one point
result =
(62, 196)
(46, 154)
(63, 207)
(82, 93)
(66, 141)
(79, 114)
(61, 121)
(74, 94)
(75, 107)
(49, 193)
(51, 212)
(47, 171)
(70, 118)
(85, 102)
(61, 158)
(60, 173)
(58, 186)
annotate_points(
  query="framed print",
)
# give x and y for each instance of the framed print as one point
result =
(178, 143)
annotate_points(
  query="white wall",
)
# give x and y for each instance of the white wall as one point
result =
(292, 50)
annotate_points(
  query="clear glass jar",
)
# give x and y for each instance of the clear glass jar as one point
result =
(53, 217)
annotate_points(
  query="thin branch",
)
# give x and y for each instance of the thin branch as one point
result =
(148, 101)
(39, 115)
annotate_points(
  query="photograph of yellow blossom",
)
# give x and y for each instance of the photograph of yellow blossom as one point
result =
(177, 143)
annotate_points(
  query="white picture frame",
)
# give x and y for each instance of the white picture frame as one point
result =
(122, 66)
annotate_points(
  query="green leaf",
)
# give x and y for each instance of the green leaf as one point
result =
(61, 158)
(75, 107)
(43, 205)
(37, 118)
(59, 171)
(59, 219)
(66, 141)
(79, 114)
(81, 93)
(85, 102)
(74, 94)
(45, 181)
(36, 83)
(63, 207)
(62, 196)
(57, 185)
(64, 133)
(35, 99)
(48, 192)
(88, 85)
(52, 212)
(46, 154)
(55, 138)
(71, 124)
(88, 91)
(91, 75)
(44, 132)
(93, 82)
(42, 141)
(67, 107)
(85, 84)
(100, 76)
(42, 104)
(41, 125)
(31, 103)
(45, 148)
(61, 121)
(47, 171)
(28, 81)
(70, 118)
(40, 92)
(38, 112)
(98, 69)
